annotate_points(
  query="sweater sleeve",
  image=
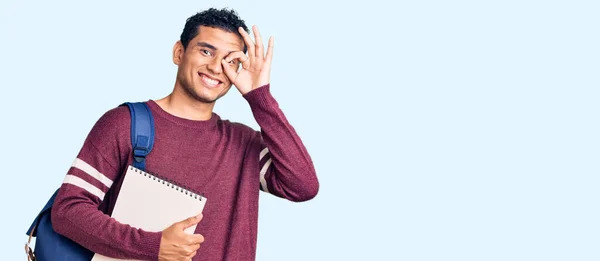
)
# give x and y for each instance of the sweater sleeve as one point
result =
(75, 213)
(285, 167)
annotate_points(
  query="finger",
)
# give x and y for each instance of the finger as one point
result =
(195, 247)
(236, 55)
(240, 56)
(195, 239)
(192, 255)
(230, 71)
(190, 249)
(190, 221)
(248, 41)
(259, 45)
(187, 253)
(270, 50)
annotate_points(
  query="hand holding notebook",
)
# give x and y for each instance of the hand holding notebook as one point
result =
(175, 243)
(148, 202)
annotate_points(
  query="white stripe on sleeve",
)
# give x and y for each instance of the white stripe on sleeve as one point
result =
(77, 181)
(263, 171)
(87, 168)
(263, 153)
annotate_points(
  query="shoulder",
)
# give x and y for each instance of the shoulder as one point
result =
(109, 140)
(115, 116)
(113, 125)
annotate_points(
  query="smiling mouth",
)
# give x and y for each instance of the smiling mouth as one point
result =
(210, 82)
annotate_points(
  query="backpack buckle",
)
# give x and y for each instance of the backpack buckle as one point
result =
(139, 154)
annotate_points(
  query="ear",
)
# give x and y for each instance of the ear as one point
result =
(178, 52)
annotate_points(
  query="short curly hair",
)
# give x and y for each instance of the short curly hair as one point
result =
(224, 19)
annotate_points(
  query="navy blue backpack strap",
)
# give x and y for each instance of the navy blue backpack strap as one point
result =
(142, 132)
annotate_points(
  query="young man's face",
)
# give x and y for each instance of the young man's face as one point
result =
(200, 71)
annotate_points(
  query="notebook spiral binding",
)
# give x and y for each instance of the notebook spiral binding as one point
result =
(176, 186)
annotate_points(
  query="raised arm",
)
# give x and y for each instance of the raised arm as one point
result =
(286, 168)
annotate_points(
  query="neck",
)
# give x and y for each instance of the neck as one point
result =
(182, 105)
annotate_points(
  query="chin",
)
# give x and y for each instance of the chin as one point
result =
(212, 95)
(201, 94)
(206, 98)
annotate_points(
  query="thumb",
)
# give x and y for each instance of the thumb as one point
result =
(229, 71)
(188, 222)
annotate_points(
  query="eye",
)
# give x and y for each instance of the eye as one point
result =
(206, 52)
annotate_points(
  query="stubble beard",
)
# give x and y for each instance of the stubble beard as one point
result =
(199, 97)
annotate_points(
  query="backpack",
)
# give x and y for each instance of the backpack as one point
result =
(51, 246)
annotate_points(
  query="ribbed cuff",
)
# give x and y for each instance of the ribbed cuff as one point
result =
(260, 96)
(150, 242)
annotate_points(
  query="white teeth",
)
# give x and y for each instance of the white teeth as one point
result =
(209, 81)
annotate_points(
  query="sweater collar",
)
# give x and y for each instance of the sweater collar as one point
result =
(157, 110)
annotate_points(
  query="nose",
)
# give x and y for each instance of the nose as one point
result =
(215, 66)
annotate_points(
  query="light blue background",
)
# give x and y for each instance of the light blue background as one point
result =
(440, 130)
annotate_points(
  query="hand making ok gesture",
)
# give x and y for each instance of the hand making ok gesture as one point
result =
(256, 67)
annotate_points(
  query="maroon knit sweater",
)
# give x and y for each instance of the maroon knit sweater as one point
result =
(225, 161)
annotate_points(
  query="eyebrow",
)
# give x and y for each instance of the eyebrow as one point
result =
(207, 45)
(210, 46)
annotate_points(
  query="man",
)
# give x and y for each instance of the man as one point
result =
(225, 161)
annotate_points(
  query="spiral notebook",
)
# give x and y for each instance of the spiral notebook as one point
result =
(150, 203)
